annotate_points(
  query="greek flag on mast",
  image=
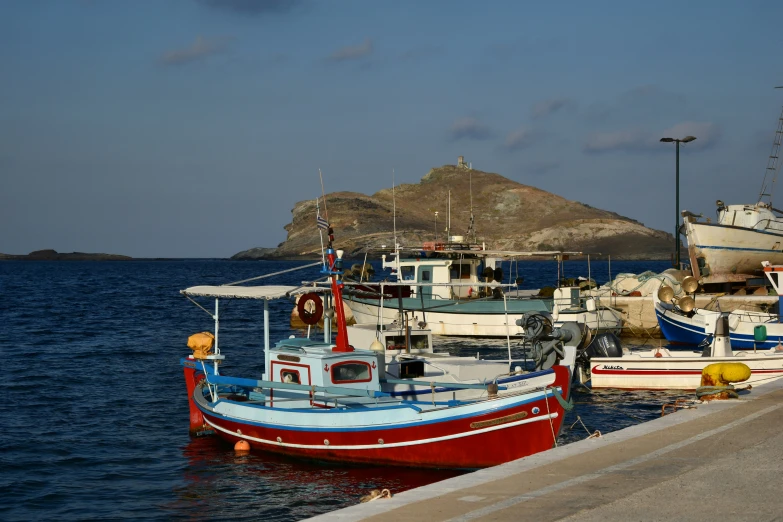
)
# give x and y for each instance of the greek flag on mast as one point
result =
(322, 223)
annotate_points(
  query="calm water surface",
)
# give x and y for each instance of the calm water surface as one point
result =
(95, 418)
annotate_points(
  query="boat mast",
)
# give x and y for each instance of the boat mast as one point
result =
(333, 269)
(773, 163)
(394, 213)
(448, 227)
(471, 229)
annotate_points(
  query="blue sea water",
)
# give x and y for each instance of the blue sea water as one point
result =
(94, 413)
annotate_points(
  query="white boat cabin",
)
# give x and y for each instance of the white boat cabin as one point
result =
(300, 360)
(451, 278)
(757, 217)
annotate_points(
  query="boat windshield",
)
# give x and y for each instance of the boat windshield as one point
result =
(460, 271)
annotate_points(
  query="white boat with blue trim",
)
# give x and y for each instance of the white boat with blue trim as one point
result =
(457, 290)
(682, 323)
(732, 248)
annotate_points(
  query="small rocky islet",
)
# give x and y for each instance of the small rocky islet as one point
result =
(508, 216)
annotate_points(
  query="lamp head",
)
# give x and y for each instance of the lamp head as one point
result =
(667, 140)
(688, 139)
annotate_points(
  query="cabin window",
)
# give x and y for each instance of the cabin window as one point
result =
(353, 371)
(460, 272)
(425, 276)
(408, 273)
(292, 376)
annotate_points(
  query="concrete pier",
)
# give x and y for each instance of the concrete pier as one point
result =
(717, 460)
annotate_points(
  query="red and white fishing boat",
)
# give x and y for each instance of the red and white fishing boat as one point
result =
(326, 400)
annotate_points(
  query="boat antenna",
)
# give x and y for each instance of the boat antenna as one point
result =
(471, 229)
(323, 195)
(394, 213)
(323, 224)
(773, 163)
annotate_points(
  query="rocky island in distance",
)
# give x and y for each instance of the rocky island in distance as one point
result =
(508, 216)
(53, 255)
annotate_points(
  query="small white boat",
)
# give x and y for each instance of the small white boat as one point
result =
(662, 368)
(413, 370)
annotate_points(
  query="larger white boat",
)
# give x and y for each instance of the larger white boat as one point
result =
(733, 248)
(457, 291)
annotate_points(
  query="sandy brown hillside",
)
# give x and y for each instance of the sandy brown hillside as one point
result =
(508, 215)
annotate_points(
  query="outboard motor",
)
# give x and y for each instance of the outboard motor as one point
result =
(603, 345)
(549, 345)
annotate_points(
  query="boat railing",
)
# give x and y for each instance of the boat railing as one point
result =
(333, 390)
(768, 224)
(436, 384)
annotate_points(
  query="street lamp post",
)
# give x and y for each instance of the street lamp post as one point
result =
(436, 225)
(686, 139)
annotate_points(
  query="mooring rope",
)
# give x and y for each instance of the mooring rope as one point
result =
(702, 391)
(274, 274)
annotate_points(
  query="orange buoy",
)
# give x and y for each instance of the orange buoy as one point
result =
(242, 446)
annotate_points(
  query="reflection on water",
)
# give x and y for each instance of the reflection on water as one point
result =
(97, 390)
(265, 486)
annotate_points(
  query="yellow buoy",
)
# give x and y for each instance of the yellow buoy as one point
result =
(723, 374)
(242, 446)
(716, 380)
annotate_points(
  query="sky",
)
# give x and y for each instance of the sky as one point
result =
(190, 128)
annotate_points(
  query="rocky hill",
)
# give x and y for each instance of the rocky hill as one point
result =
(508, 216)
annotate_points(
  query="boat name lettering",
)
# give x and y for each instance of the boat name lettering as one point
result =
(516, 384)
(610, 367)
(289, 358)
(499, 420)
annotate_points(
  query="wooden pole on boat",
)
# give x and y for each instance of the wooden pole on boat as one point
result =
(267, 364)
(217, 324)
(407, 336)
(508, 335)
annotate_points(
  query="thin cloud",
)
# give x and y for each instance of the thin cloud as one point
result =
(198, 50)
(633, 140)
(546, 107)
(253, 7)
(352, 52)
(518, 140)
(469, 129)
(637, 104)
(619, 141)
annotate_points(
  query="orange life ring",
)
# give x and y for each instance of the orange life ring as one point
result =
(305, 314)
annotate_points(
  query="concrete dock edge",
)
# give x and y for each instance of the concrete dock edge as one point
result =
(592, 475)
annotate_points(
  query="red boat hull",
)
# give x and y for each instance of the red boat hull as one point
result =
(476, 441)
